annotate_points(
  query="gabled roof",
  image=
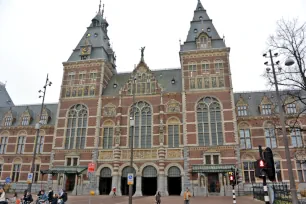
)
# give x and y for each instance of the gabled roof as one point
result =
(34, 112)
(5, 99)
(199, 24)
(163, 78)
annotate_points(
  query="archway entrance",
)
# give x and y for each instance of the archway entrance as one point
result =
(124, 185)
(105, 184)
(149, 181)
(174, 181)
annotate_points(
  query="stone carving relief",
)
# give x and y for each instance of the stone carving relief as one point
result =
(161, 131)
(140, 154)
(117, 133)
(173, 106)
(174, 153)
(105, 155)
(109, 110)
(94, 155)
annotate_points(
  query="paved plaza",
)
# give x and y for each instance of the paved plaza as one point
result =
(165, 200)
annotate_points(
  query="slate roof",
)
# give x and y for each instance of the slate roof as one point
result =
(253, 99)
(201, 24)
(99, 41)
(34, 111)
(163, 77)
(5, 99)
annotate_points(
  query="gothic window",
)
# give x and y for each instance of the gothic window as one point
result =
(93, 75)
(218, 65)
(245, 137)
(270, 137)
(80, 91)
(301, 169)
(25, 120)
(92, 91)
(86, 90)
(296, 137)
(242, 110)
(82, 75)
(68, 92)
(291, 108)
(76, 127)
(20, 144)
(142, 113)
(209, 122)
(174, 172)
(199, 83)
(8, 121)
(74, 92)
(278, 171)
(108, 134)
(3, 144)
(173, 133)
(71, 77)
(192, 67)
(203, 42)
(249, 172)
(205, 66)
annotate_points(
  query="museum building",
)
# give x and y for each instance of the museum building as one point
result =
(189, 129)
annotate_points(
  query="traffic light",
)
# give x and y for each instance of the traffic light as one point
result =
(232, 178)
(237, 176)
(260, 166)
(268, 155)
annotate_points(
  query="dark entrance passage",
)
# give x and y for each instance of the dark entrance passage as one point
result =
(124, 185)
(149, 181)
(174, 181)
(105, 183)
(213, 183)
(70, 182)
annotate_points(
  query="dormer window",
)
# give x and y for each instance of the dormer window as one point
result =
(242, 110)
(44, 119)
(203, 41)
(95, 22)
(8, 121)
(25, 121)
(291, 108)
(266, 109)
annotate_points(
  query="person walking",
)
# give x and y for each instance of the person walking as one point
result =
(187, 196)
(114, 191)
(157, 197)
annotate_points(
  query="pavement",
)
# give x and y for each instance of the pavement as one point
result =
(164, 200)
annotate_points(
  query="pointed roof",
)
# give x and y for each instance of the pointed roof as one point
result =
(96, 40)
(5, 99)
(201, 23)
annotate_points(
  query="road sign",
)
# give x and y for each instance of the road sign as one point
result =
(8, 180)
(30, 178)
(91, 167)
(130, 179)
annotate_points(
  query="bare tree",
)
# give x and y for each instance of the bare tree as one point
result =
(289, 41)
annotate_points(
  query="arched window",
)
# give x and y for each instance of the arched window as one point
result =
(76, 127)
(210, 131)
(173, 132)
(205, 66)
(270, 136)
(245, 136)
(143, 125)
(218, 65)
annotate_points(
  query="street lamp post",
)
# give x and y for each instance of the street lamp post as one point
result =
(282, 121)
(132, 124)
(37, 127)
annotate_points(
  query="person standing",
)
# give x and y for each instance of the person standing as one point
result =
(157, 197)
(2, 196)
(114, 191)
(187, 196)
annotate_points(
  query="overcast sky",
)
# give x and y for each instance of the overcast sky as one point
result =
(36, 36)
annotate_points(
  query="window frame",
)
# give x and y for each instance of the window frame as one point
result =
(242, 110)
(3, 147)
(301, 168)
(171, 125)
(15, 175)
(21, 146)
(250, 172)
(291, 108)
(266, 109)
(269, 137)
(298, 143)
(246, 145)
(109, 139)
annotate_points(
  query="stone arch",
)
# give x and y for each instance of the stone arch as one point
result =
(173, 119)
(22, 132)
(145, 101)
(213, 97)
(17, 160)
(244, 124)
(42, 132)
(70, 107)
(108, 123)
(277, 156)
(247, 157)
(141, 168)
(176, 165)
(126, 165)
(103, 166)
(1, 160)
(268, 123)
(5, 133)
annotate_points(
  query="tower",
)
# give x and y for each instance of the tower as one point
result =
(209, 125)
(86, 74)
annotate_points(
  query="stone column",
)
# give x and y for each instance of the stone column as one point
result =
(166, 185)
(222, 189)
(138, 185)
(161, 183)
(161, 175)
(115, 178)
(97, 190)
(182, 184)
(74, 191)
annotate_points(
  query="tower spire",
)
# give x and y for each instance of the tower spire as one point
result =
(102, 10)
(100, 7)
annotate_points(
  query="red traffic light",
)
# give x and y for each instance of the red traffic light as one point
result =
(261, 163)
(231, 178)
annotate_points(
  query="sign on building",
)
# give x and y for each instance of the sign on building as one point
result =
(91, 167)
(130, 179)
(30, 178)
